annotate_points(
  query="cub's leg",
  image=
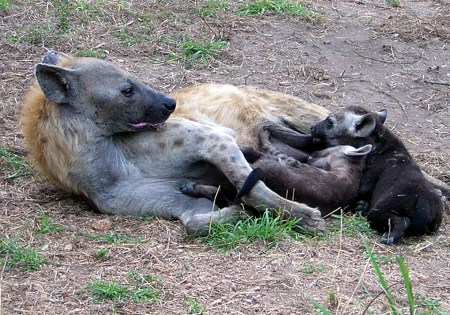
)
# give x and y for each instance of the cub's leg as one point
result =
(392, 225)
(291, 137)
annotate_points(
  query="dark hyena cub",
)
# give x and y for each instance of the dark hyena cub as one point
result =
(328, 180)
(401, 200)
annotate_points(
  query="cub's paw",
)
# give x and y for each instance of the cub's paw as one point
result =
(386, 240)
(188, 187)
(362, 206)
(442, 196)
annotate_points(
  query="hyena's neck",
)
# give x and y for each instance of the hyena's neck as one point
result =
(53, 140)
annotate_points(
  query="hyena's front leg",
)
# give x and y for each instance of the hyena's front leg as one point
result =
(223, 151)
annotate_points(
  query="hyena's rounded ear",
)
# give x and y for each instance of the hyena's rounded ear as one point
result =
(56, 82)
(360, 152)
(54, 57)
(381, 115)
(364, 125)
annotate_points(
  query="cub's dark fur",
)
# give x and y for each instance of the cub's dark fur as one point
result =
(401, 200)
(328, 180)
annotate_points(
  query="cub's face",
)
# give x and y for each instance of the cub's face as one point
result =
(349, 126)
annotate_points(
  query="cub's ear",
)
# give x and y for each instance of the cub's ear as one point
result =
(56, 82)
(360, 152)
(381, 114)
(364, 125)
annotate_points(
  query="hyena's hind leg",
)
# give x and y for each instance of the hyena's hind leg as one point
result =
(230, 160)
(212, 193)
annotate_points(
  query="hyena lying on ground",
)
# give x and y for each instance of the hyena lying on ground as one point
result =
(96, 130)
(401, 200)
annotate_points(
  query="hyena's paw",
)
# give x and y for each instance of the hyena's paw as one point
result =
(188, 187)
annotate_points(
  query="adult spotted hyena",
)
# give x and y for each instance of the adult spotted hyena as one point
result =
(96, 130)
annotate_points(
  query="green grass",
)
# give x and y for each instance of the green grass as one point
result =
(103, 290)
(191, 51)
(46, 225)
(90, 53)
(102, 254)
(350, 224)
(284, 7)
(116, 238)
(137, 276)
(414, 302)
(194, 307)
(309, 268)
(5, 4)
(17, 164)
(267, 228)
(130, 36)
(393, 3)
(12, 256)
(210, 7)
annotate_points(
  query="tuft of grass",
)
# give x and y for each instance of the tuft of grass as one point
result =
(192, 51)
(46, 225)
(130, 37)
(352, 224)
(431, 306)
(102, 254)
(267, 228)
(309, 268)
(5, 4)
(19, 167)
(194, 307)
(261, 7)
(137, 276)
(90, 53)
(102, 290)
(116, 238)
(393, 3)
(24, 259)
(210, 7)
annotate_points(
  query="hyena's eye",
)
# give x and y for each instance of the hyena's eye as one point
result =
(127, 91)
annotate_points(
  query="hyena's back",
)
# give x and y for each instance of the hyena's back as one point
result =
(246, 109)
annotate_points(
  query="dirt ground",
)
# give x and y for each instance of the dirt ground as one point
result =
(366, 53)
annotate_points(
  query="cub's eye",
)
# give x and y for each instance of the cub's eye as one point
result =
(128, 91)
(329, 123)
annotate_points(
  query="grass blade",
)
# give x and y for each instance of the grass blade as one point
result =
(381, 278)
(405, 273)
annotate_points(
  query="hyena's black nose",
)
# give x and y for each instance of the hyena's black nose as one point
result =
(169, 104)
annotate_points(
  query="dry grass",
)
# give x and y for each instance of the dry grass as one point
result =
(340, 61)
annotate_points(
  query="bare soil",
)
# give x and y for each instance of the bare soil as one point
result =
(363, 53)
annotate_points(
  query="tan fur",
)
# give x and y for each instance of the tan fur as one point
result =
(245, 109)
(43, 137)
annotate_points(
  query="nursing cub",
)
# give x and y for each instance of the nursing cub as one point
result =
(401, 200)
